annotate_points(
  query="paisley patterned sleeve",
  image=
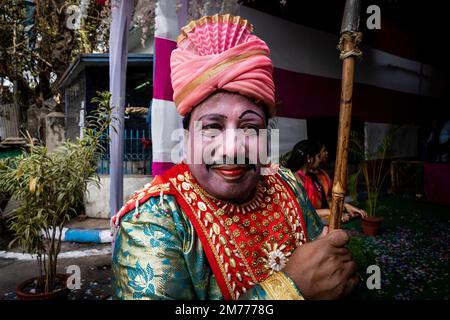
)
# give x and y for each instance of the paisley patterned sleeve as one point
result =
(148, 260)
(312, 220)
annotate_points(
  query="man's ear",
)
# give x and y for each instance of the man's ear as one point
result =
(186, 120)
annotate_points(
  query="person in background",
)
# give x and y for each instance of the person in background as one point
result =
(444, 140)
(305, 161)
(429, 142)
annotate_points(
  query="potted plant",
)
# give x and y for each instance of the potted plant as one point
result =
(50, 186)
(372, 167)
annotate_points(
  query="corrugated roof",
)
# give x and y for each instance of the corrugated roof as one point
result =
(99, 59)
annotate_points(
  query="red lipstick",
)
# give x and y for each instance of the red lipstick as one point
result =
(231, 172)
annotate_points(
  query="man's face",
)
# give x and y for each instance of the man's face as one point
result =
(221, 120)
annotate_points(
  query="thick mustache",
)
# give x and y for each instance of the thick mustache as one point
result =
(231, 164)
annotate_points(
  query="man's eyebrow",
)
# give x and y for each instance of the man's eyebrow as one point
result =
(250, 111)
(212, 115)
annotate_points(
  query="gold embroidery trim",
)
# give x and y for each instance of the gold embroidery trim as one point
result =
(159, 187)
(279, 287)
(199, 221)
(204, 197)
(213, 19)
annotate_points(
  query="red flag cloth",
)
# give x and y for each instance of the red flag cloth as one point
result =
(437, 182)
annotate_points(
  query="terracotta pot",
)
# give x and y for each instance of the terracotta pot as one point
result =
(59, 294)
(371, 225)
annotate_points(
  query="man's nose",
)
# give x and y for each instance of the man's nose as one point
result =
(234, 144)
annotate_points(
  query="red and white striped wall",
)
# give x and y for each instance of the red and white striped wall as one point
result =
(308, 80)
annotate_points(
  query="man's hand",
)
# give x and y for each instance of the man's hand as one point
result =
(323, 268)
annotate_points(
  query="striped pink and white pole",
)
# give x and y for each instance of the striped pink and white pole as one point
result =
(165, 118)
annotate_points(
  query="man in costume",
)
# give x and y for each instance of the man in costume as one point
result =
(220, 229)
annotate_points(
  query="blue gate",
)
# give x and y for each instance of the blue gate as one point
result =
(137, 157)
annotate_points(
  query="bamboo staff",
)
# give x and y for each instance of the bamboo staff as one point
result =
(348, 45)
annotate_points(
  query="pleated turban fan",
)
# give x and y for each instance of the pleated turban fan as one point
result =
(220, 53)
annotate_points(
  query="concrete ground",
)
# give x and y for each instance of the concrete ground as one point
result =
(81, 222)
(95, 272)
(95, 264)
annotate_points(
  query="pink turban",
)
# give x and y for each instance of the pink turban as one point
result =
(220, 53)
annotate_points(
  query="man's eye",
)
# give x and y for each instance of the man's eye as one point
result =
(212, 126)
(212, 130)
(251, 129)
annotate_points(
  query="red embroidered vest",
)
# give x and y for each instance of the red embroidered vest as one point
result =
(244, 244)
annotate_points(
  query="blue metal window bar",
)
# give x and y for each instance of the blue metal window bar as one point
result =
(137, 157)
